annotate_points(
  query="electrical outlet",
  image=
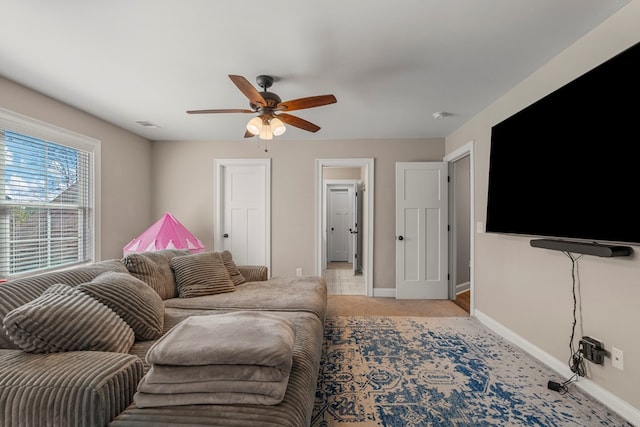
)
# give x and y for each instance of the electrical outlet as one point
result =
(298, 271)
(479, 227)
(617, 358)
(592, 350)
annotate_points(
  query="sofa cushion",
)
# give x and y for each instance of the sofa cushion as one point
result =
(18, 292)
(236, 276)
(65, 319)
(153, 269)
(132, 299)
(308, 294)
(80, 388)
(201, 274)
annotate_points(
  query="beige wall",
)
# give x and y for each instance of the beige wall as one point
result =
(183, 184)
(342, 173)
(126, 169)
(528, 290)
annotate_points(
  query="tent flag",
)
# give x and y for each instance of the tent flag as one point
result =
(166, 233)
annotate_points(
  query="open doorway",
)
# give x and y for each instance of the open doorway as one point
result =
(344, 225)
(461, 220)
(342, 215)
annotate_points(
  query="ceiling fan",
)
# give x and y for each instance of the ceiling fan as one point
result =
(267, 123)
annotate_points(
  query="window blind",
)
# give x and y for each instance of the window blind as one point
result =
(46, 204)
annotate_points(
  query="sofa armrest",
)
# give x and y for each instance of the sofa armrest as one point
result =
(254, 273)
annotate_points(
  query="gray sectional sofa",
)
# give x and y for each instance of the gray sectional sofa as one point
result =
(73, 344)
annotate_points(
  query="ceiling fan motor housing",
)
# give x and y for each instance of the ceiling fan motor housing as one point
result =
(271, 99)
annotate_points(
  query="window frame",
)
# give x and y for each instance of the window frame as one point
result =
(31, 127)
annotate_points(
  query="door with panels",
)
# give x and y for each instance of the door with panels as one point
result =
(421, 230)
(242, 212)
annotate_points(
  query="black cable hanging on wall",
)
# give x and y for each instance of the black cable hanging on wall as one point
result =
(576, 360)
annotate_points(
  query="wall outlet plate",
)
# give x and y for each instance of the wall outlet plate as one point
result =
(617, 358)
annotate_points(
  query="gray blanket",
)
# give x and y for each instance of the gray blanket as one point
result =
(171, 374)
(238, 338)
(233, 358)
(148, 400)
(269, 388)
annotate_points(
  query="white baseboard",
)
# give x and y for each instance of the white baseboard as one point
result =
(384, 292)
(463, 287)
(619, 406)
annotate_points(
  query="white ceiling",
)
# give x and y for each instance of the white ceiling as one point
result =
(390, 64)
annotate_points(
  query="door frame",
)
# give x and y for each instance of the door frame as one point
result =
(465, 150)
(218, 205)
(368, 165)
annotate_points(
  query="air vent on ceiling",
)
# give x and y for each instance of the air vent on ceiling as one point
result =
(148, 124)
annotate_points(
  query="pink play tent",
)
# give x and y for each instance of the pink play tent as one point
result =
(166, 233)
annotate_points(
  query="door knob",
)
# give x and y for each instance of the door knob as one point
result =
(225, 235)
(400, 238)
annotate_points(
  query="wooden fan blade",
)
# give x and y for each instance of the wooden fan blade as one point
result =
(248, 134)
(309, 102)
(248, 90)
(229, 110)
(298, 122)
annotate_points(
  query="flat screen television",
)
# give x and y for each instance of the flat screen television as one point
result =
(568, 165)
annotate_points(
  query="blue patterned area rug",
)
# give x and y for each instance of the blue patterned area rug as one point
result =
(439, 371)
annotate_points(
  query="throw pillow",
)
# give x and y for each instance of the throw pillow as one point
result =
(153, 269)
(201, 274)
(20, 291)
(132, 299)
(65, 319)
(236, 276)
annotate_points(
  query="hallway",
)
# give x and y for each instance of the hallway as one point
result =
(341, 280)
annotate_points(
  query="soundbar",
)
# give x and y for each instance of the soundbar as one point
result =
(596, 249)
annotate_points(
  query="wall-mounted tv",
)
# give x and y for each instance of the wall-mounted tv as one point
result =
(568, 165)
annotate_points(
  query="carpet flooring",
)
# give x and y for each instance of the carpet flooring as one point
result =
(359, 305)
(439, 371)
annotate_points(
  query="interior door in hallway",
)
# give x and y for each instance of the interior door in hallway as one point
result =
(242, 223)
(421, 230)
(340, 223)
(355, 228)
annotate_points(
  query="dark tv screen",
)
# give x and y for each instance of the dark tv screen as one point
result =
(568, 166)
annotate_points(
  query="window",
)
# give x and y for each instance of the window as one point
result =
(47, 197)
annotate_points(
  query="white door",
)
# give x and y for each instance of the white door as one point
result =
(355, 230)
(242, 224)
(421, 230)
(340, 222)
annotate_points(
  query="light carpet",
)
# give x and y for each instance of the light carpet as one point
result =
(445, 371)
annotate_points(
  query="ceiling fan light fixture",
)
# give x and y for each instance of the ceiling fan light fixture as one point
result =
(265, 132)
(277, 126)
(254, 126)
